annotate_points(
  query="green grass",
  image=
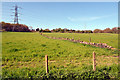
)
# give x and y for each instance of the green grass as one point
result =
(23, 56)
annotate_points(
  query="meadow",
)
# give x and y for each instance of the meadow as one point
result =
(23, 56)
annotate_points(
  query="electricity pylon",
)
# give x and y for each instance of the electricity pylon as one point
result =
(16, 16)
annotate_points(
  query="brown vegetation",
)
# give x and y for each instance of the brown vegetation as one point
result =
(108, 30)
(14, 27)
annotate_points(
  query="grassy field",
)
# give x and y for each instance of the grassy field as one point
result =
(23, 56)
(109, 38)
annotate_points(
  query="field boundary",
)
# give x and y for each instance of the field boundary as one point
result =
(101, 45)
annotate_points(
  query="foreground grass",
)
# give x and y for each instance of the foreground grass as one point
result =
(23, 57)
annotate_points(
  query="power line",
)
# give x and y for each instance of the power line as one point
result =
(16, 15)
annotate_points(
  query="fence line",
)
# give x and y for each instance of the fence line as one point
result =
(46, 63)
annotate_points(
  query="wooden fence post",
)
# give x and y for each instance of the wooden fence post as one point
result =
(94, 62)
(46, 63)
(90, 39)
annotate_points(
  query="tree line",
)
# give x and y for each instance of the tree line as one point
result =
(65, 30)
(14, 27)
(107, 30)
(24, 28)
